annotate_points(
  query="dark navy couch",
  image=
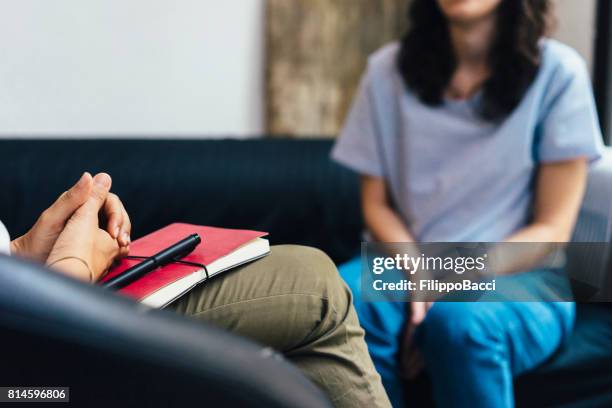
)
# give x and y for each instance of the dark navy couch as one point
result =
(291, 189)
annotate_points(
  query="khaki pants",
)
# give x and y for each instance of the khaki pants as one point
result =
(294, 301)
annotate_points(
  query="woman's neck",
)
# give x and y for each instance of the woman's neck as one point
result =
(472, 41)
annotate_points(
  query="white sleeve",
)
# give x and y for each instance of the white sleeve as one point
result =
(5, 240)
(570, 127)
(357, 146)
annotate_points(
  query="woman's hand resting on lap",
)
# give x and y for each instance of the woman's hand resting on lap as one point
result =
(39, 240)
(411, 360)
(70, 228)
(84, 250)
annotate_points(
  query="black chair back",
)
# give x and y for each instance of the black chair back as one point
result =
(112, 351)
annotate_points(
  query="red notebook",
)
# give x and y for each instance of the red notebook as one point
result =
(220, 250)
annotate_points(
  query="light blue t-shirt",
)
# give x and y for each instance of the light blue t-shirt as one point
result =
(452, 176)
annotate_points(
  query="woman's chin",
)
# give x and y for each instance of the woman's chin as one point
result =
(467, 12)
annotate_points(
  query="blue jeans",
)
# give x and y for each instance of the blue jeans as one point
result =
(472, 350)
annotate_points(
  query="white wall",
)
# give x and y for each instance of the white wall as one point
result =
(90, 67)
(152, 67)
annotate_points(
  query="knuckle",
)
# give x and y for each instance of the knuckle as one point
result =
(67, 195)
(44, 216)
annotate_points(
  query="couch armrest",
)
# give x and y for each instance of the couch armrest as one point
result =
(588, 263)
(595, 218)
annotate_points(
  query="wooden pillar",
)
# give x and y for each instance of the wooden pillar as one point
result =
(316, 51)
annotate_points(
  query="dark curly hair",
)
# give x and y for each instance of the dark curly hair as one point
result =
(427, 62)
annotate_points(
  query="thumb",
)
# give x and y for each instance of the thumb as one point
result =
(101, 187)
(71, 200)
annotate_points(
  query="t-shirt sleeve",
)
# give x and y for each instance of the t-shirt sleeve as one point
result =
(569, 127)
(357, 146)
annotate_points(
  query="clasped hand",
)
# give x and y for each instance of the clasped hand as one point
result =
(411, 359)
(69, 236)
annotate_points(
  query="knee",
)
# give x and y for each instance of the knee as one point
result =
(325, 302)
(460, 328)
(312, 271)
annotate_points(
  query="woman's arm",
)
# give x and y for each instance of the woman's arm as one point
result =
(385, 225)
(382, 220)
(560, 188)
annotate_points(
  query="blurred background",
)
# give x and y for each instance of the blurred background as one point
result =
(213, 69)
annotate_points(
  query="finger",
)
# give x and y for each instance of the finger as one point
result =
(408, 335)
(415, 366)
(412, 363)
(126, 230)
(105, 252)
(123, 252)
(418, 313)
(413, 356)
(407, 341)
(113, 209)
(106, 245)
(99, 192)
(418, 361)
(63, 208)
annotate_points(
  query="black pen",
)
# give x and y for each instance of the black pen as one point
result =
(174, 252)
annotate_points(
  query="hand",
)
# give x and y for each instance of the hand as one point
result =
(39, 240)
(411, 360)
(84, 250)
